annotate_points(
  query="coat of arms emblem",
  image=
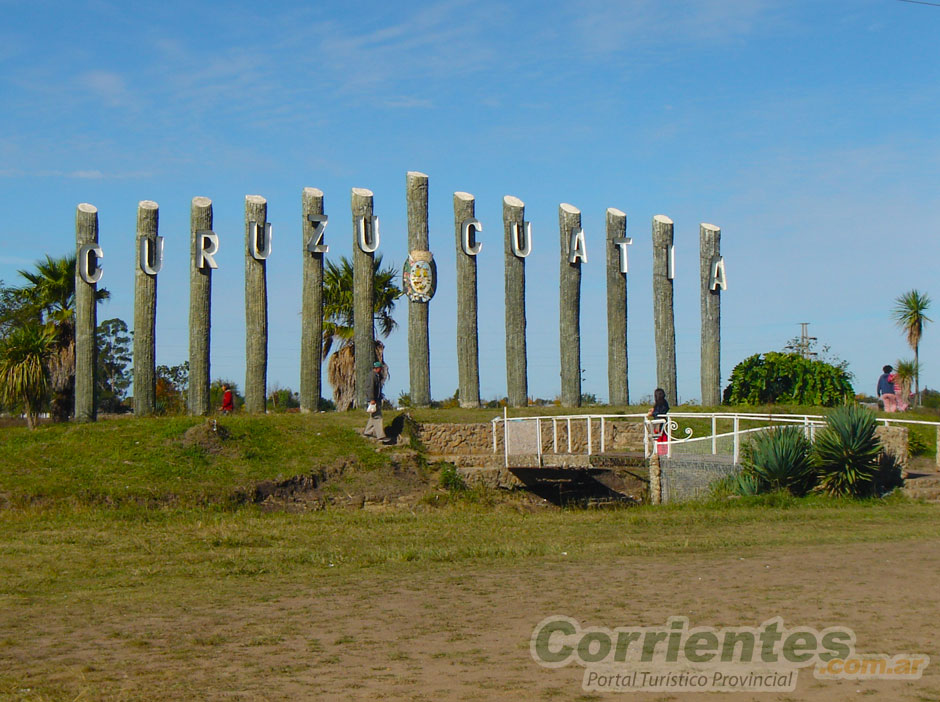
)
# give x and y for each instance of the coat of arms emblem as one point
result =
(420, 276)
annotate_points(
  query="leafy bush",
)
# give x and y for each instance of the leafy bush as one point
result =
(787, 378)
(916, 446)
(846, 453)
(450, 479)
(777, 459)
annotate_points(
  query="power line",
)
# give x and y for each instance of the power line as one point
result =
(921, 2)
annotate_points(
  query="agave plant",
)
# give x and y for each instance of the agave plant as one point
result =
(747, 484)
(779, 459)
(846, 453)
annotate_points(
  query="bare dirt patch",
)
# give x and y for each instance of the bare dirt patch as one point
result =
(208, 437)
(346, 483)
(462, 632)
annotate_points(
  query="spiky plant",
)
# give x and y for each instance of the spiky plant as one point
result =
(846, 453)
(910, 314)
(907, 372)
(779, 459)
(50, 294)
(24, 377)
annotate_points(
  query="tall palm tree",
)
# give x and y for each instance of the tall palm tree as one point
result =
(338, 323)
(910, 314)
(24, 376)
(50, 294)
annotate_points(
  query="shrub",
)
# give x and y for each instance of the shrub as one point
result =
(846, 453)
(450, 479)
(777, 459)
(787, 378)
(747, 484)
(916, 446)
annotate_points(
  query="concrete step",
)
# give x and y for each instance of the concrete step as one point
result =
(923, 482)
(926, 494)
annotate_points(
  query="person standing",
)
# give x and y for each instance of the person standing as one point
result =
(658, 411)
(374, 426)
(228, 400)
(886, 390)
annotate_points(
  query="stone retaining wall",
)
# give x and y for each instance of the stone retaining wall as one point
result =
(894, 443)
(620, 436)
(461, 439)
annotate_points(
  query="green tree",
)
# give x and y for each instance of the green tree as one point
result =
(24, 375)
(338, 323)
(910, 314)
(787, 378)
(172, 383)
(113, 362)
(49, 297)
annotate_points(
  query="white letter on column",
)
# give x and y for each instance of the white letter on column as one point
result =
(370, 243)
(208, 247)
(261, 251)
(150, 255)
(718, 279)
(316, 244)
(577, 248)
(622, 243)
(521, 239)
(88, 270)
(469, 228)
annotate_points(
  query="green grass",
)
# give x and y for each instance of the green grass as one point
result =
(145, 461)
(123, 503)
(50, 551)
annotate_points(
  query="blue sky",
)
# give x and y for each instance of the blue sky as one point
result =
(806, 130)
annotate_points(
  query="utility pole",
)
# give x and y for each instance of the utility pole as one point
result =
(805, 343)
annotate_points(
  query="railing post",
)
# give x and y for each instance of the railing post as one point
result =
(506, 436)
(493, 428)
(737, 440)
(569, 434)
(589, 435)
(554, 435)
(538, 437)
(714, 435)
(603, 437)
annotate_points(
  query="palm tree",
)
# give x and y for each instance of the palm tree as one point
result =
(910, 315)
(50, 294)
(24, 375)
(906, 373)
(338, 324)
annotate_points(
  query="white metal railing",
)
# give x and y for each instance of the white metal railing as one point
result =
(530, 436)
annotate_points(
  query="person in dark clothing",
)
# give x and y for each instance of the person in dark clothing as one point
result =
(659, 410)
(885, 390)
(374, 426)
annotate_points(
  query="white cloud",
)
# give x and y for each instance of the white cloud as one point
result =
(107, 85)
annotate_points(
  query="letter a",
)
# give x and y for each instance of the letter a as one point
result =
(577, 248)
(718, 277)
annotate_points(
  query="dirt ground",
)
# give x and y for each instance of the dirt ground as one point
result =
(420, 632)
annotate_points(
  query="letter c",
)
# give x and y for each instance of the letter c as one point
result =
(542, 649)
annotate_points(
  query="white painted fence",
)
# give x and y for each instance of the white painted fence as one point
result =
(524, 435)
